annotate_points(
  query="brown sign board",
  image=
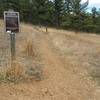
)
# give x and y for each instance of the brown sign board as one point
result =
(11, 19)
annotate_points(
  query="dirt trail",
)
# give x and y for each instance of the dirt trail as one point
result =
(61, 81)
(62, 77)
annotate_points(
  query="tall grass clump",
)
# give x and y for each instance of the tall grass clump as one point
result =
(29, 48)
(33, 70)
(15, 72)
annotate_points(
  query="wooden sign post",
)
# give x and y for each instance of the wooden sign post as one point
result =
(11, 19)
(13, 51)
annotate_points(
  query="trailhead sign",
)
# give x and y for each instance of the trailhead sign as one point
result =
(11, 19)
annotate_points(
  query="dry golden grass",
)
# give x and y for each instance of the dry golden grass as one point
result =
(29, 49)
(64, 74)
(15, 72)
(1, 23)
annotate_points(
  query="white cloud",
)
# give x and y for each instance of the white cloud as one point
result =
(93, 3)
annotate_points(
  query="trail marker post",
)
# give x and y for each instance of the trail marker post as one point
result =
(11, 20)
(46, 29)
(13, 41)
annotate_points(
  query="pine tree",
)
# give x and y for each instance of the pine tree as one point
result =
(59, 10)
(94, 14)
(39, 11)
(78, 11)
(24, 10)
(1, 8)
(11, 4)
(67, 6)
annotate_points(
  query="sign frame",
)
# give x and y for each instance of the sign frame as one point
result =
(5, 21)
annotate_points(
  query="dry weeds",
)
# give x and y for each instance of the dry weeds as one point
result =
(15, 72)
(29, 49)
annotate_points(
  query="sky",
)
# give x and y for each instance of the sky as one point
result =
(93, 3)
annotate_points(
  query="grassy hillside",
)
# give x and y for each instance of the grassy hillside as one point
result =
(53, 65)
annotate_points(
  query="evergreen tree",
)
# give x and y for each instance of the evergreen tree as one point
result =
(67, 6)
(59, 10)
(40, 11)
(11, 4)
(94, 14)
(78, 11)
(1, 8)
(24, 10)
